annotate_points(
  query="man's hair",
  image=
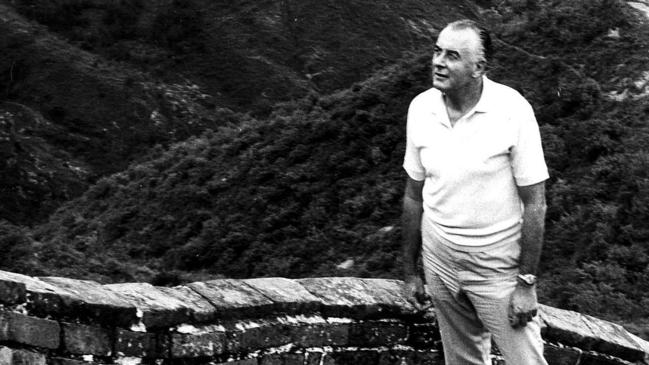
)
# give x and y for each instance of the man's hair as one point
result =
(483, 34)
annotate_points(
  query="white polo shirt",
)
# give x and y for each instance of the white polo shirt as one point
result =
(472, 170)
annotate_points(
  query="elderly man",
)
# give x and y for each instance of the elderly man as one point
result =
(474, 204)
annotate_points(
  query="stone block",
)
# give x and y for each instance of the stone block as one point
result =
(64, 361)
(86, 340)
(282, 359)
(388, 294)
(288, 296)
(356, 357)
(43, 299)
(240, 362)
(593, 358)
(251, 335)
(32, 331)
(201, 310)
(198, 342)
(11, 291)
(9, 356)
(139, 344)
(314, 358)
(377, 333)
(347, 297)
(233, 298)
(158, 309)
(90, 301)
(423, 335)
(318, 334)
(588, 333)
(557, 355)
(410, 357)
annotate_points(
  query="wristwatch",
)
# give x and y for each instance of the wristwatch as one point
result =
(527, 279)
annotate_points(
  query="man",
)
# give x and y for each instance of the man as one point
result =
(474, 205)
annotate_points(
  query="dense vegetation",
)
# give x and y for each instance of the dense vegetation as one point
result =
(318, 181)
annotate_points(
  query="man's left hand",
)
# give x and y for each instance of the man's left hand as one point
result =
(522, 306)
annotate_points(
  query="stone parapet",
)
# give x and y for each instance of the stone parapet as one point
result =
(262, 321)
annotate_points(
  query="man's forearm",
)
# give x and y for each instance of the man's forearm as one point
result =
(411, 234)
(532, 238)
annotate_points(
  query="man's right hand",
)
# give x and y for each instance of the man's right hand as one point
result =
(416, 293)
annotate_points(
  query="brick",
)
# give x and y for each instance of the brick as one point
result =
(9, 356)
(247, 335)
(158, 309)
(201, 310)
(43, 299)
(356, 357)
(86, 340)
(282, 359)
(139, 344)
(28, 330)
(288, 296)
(377, 333)
(313, 358)
(90, 301)
(410, 357)
(64, 361)
(556, 355)
(344, 297)
(233, 298)
(240, 362)
(198, 342)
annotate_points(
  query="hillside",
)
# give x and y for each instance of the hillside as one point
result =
(298, 189)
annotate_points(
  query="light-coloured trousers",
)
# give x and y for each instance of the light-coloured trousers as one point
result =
(471, 292)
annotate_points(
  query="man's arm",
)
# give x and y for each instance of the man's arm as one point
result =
(411, 235)
(523, 305)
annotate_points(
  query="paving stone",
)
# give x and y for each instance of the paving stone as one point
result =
(90, 301)
(139, 344)
(288, 295)
(86, 340)
(198, 342)
(201, 310)
(233, 298)
(28, 330)
(344, 297)
(9, 356)
(158, 309)
(11, 291)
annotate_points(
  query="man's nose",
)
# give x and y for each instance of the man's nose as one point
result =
(438, 60)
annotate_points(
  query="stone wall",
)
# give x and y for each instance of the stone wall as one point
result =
(264, 321)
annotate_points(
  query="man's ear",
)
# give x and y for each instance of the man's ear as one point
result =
(479, 69)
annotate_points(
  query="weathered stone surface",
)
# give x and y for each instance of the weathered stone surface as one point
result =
(11, 291)
(9, 356)
(28, 330)
(233, 298)
(591, 358)
(86, 340)
(158, 309)
(201, 310)
(287, 295)
(88, 300)
(344, 297)
(377, 333)
(389, 296)
(251, 335)
(44, 299)
(139, 344)
(556, 355)
(588, 333)
(198, 342)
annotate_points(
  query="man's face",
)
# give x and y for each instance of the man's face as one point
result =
(456, 59)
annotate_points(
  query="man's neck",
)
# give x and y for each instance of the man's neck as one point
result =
(461, 101)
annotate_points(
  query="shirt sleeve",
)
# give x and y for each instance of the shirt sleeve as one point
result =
(411, 161)
(528, 162)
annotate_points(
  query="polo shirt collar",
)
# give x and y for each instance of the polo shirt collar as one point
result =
(485, 103)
